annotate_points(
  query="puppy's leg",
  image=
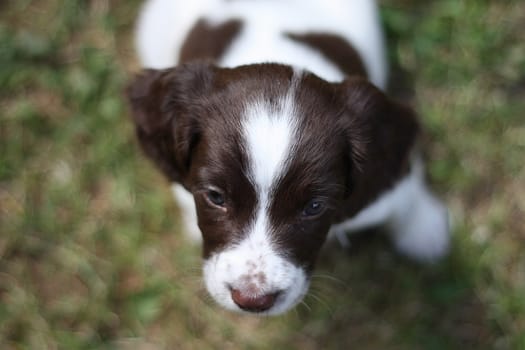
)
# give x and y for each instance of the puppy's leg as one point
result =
(419, 225)
(188, 214)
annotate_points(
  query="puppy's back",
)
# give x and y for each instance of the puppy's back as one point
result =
(164, 26)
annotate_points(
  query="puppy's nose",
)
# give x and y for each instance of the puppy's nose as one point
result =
(252, 303)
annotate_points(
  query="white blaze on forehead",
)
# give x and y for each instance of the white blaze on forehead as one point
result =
(268, 137)
(269, 134)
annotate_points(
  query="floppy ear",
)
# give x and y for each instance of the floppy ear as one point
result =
(164, 106)
(380, 135)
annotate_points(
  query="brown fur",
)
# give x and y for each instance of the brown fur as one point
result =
(207, 42)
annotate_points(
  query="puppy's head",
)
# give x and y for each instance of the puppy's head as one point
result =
(271, 155)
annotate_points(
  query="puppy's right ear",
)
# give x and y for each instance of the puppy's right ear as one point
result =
(380, 134)
(164, 106)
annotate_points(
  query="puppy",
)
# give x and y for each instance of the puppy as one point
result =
(269, 119)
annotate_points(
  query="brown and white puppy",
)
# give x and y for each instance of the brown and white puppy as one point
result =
(269, 119)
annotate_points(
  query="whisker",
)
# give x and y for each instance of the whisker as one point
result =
(329, 278)
(303, 302)
(321, 301)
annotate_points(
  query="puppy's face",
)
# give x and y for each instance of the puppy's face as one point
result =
(269, 154)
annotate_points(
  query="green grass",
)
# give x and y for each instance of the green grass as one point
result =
(91, 256)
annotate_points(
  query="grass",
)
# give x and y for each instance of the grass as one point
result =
(91, 256)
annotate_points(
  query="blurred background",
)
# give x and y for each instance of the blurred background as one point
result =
(91, 256)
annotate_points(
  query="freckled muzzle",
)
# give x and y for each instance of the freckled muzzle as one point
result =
(269, 285)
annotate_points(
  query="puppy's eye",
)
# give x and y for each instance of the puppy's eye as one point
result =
(313, 208)
(215, 198)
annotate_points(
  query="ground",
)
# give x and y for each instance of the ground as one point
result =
(91, 255)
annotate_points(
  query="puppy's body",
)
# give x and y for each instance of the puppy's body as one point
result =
(272, 155)
(262, 35)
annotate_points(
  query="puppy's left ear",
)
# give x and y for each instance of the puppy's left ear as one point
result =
(380, 135)
(165, 106)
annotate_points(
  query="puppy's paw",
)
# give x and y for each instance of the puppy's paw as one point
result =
(423, 232)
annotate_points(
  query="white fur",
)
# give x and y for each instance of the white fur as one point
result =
(164, 25)
(188, 212)
(416, 221)
(268, 140)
